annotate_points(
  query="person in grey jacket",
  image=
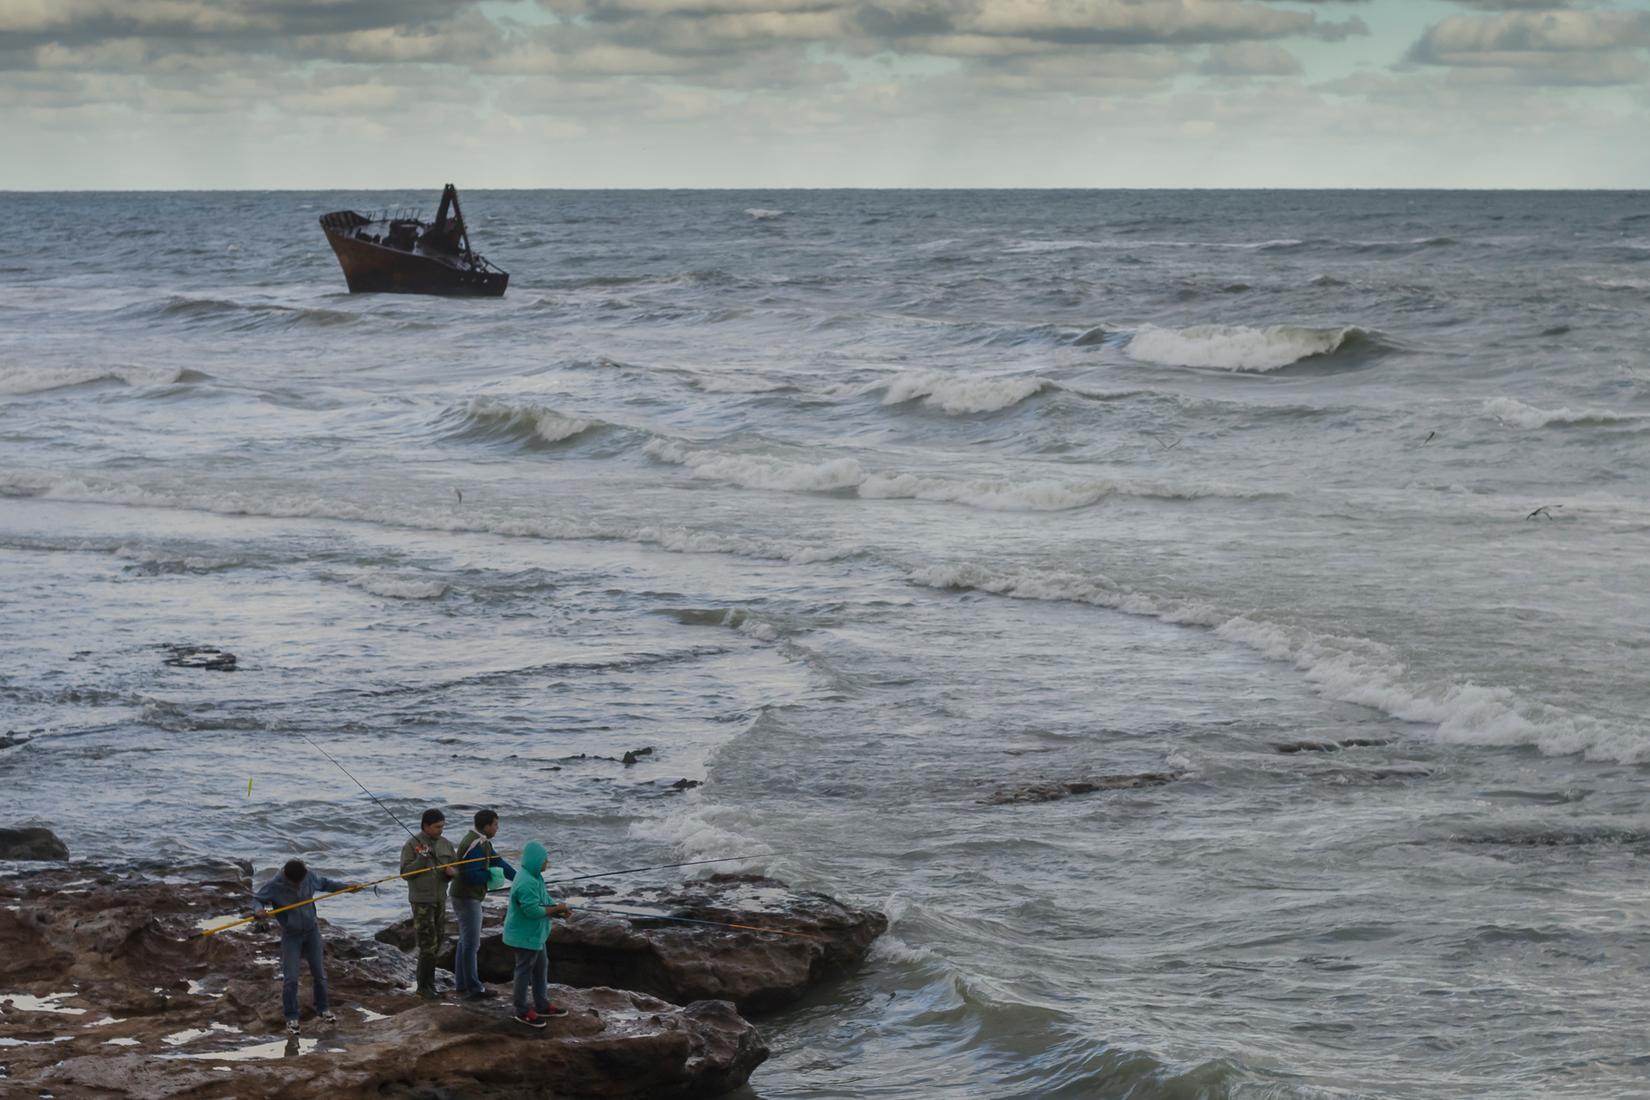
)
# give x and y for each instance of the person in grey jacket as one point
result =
(300, 934)
(430, 852)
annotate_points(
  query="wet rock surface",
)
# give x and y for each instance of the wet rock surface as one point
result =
(31, 843)
(1055, 789)
(619, 939)
(106, 990)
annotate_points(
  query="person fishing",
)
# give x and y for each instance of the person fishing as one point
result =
(300, 934)
(468, 890)
(526, 931)
(427, 850)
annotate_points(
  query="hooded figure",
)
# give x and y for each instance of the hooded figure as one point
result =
(526, 930)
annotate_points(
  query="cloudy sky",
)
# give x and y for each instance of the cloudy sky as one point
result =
(824, 93)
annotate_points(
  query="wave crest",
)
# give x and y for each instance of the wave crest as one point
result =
(491, 418)
(1519, 415)
(958, 396)
(21, 380)
(1240, 347)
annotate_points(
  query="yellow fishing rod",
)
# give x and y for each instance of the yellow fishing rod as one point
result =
(335, 893)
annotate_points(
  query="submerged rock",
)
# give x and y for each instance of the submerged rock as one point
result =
(1054, 790)
(625, 942)
(107, 990)
(200, 656)
(31, 843)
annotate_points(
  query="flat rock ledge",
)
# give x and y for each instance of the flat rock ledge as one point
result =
(620, 940)
(106, 991)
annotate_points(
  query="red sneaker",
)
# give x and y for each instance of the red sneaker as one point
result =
(552, 1011)
(530, 1018)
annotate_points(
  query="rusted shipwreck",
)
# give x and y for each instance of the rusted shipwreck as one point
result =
(401, 254)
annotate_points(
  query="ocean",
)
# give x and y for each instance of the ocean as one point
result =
(860, 508)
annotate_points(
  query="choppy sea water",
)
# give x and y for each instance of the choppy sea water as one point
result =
(859, 507)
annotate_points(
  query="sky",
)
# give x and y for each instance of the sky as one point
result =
(347, 94)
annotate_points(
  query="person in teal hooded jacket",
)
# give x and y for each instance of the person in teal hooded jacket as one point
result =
(527, 930)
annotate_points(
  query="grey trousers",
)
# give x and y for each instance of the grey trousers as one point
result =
(532, 967)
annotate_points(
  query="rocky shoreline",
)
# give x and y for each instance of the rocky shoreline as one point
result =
(107, 989)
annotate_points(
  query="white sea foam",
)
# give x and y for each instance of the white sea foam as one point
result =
(762, 214)
(434, 517)
(22, 380)
(396, 586)
(995, 496)
(1347, 669)
(1519, 415)
(548, 424)
(958, 395)
(1235, 347)
(757, 472)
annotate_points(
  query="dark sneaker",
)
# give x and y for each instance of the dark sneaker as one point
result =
(531, 1019)
(550, 1012)
(428, 994)
(480, 994)
(292, 1027)
(329, 1019)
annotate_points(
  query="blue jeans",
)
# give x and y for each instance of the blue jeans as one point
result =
(305, 946)
(532, 967)
(465, 971)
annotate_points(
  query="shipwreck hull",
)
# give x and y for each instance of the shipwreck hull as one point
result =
(371, 268)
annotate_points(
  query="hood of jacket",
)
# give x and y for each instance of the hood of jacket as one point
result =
(532, 859)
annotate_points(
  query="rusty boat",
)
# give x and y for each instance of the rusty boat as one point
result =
(401, 254)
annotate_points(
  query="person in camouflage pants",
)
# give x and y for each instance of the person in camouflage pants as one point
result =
(427, 892)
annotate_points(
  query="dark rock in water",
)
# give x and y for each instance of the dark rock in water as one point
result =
(1054, 790)
(100, 941)
(685, 784)
(758, 971)
(1330, 746)
(11, 740)
(32, 843)
(636, 754)
(200, 656)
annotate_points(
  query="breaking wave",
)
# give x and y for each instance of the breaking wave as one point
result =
(1347, 669)
(21, 380)
(1240, 347)
(488, 418)
(1519, 415)
(956, 395)
(395, 586)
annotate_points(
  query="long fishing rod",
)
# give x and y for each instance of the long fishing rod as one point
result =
(335, 893)
(659, 867)
(691, 920)
(362, 785)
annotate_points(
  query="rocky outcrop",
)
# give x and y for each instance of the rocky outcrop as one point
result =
(31, 843)
(106, 989)
(1054, 790)
(629, 941)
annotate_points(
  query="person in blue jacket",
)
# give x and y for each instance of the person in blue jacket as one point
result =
(300, 934)
(526, 930)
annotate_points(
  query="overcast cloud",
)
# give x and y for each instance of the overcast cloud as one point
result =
(382, 93)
